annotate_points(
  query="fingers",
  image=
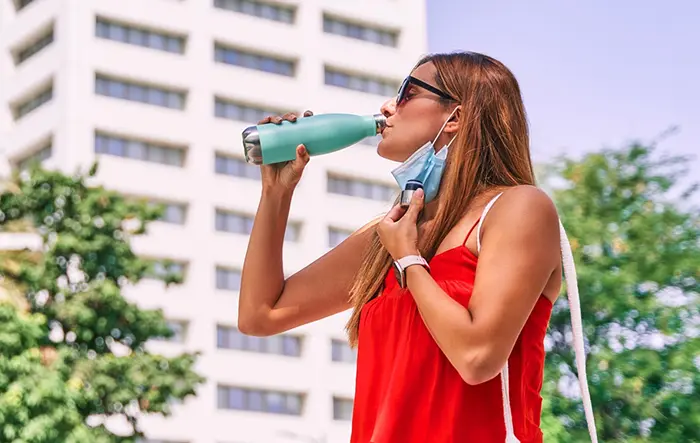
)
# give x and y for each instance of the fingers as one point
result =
(302, 158)
(289, 116)
(416, 205)
(395, 213)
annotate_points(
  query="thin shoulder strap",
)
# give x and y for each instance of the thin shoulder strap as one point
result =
(488, 207)
(470, 232)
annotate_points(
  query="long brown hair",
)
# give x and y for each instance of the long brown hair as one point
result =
(492, 149)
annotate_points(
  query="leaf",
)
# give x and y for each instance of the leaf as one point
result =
(49, 387)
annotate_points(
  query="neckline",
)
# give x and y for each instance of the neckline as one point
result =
(456, 248)
(475, 258)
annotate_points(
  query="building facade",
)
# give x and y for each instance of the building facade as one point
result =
(159, 91)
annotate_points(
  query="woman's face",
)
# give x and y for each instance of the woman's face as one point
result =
(414, 118)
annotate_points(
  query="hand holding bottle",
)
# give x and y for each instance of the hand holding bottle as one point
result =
(286, 175)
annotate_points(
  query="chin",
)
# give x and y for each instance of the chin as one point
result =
(384, 150)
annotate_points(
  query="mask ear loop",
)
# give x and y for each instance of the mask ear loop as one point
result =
(443, 128)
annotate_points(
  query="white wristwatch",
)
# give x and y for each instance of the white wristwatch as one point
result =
(401, 264)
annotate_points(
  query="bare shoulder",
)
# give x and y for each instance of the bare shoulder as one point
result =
(527, 207)
(526, 199)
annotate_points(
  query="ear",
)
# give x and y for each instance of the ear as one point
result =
(453, 123)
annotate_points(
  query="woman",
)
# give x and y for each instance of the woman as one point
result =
(439, 338)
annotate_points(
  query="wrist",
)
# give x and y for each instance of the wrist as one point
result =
(402, 267)
(405, 253)
(413, 271)
(277, 192)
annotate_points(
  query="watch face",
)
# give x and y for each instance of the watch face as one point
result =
(397, 273)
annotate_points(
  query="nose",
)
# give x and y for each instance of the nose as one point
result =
(389, 108)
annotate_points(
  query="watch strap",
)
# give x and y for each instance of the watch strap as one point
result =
(405, 262)
(409, 260)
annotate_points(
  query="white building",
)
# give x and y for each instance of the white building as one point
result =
(159, 91)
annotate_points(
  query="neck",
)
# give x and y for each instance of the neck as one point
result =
(430, 210)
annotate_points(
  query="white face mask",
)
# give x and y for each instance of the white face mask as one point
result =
(425, 165)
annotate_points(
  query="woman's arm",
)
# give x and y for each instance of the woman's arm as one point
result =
(520, 251)
(268, 303)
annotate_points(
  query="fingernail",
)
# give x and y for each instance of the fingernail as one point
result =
(419, 193)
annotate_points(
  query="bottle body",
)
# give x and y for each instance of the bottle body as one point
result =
(321, 134)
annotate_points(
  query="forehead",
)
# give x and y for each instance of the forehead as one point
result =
(425, 72)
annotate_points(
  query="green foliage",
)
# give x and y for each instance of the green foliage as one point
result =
(50, 386)
(638, 261)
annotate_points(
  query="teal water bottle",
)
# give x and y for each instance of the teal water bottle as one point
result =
(321, 134)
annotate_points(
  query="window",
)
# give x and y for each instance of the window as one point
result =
(260, 9)
(174, 213)
(245, 59)
(336, 236)
(34, 46)
(152, 95)
(372, 141)
(139, 150)
(342, 352)
(21, 4)
(232, 222)
(236, 167)
(360, 32)
(292, 232)
(162, 269)
(247, 399)
(139, 36)
(33, 102)
(283, 344)
(179, 330)
(362, 83)
(360, 188)
(240, 112)
(227, 221)
(342, 408)
(37, 156)
(228, 279)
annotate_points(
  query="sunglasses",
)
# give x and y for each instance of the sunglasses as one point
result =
(410, 80)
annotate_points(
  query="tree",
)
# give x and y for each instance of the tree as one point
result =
(638, 261)
(72, 349)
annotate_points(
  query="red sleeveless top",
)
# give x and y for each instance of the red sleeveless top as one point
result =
(408, 392)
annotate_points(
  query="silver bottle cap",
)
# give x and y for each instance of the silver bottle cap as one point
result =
(407, 194)
(380, 121)
(251, 146)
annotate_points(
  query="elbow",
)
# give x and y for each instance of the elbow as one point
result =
(253, 326)
(477, 368)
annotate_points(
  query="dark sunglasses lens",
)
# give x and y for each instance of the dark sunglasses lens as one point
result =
(402, 92)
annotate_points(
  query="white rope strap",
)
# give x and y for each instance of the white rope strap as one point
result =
(577, 329)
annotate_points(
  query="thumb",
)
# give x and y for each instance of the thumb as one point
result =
(302, 158)
(415, 206)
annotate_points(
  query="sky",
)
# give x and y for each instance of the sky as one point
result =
(593, 74)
